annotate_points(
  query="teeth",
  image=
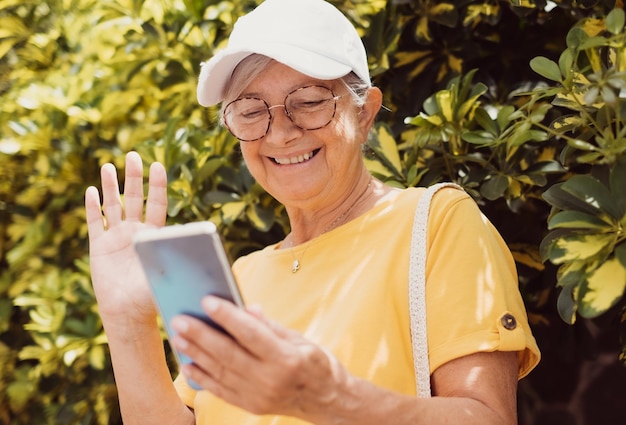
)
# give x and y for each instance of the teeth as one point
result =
(295, 159)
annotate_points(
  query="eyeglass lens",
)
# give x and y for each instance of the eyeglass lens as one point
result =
(309, 108)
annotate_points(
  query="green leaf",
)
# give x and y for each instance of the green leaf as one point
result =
(444, 14)
(563, 200)
(385, 147)
(389, 147)
(478, 137)
(617, 183)
(546, 68)
(546, 167)
(446, 104)
(232, 211)
(261, 218)
(579, 246)
(539, 113)
(97, 357)
(566, 62)
(533, 179)
(582, 145)
(605, 287)
(615, 21)
(472, 101)
(592, 43)
(530, 4)
(6, 45)
(495, 187)
(620, 253)
(590, 158)
(548, 242)
(566, 101)
(591, 191)
(577, 220)
(571, 274)
(538, 135)
(220, 197)
(566, 305)
(567, 123)
(575, 37)
(19, 393)
(246, 178)
(209, 168)
(430, 105)
(505, 115)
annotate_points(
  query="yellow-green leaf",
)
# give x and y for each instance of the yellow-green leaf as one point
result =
(97, 357)
(389, 147)
(579, 247)
(604, 289)
(441, 8)
(523, 3)
(421, 31)
(261, 218)
(577, 220)
(19, 393)
(444, 100)
(232, 211)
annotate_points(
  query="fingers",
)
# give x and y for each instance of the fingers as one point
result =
(93, 210)
(132, 209)
(112, 203)
(258, 369)
(133, 187)
(256, 336)
(215, 355)
(242, 393)
(156, 206)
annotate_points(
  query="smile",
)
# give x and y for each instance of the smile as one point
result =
(296, 159)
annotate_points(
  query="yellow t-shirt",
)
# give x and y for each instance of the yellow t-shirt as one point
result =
(351, 296)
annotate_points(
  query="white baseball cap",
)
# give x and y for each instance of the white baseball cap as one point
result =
(311, 36)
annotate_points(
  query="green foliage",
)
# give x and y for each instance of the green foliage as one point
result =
(588, 240)
(570, 127)
(491, 157)
(83, 82)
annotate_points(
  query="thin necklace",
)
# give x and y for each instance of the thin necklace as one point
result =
(295, 265)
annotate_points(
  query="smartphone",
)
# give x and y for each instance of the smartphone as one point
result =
(184, 263)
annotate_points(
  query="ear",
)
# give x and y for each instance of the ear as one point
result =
(370, 109)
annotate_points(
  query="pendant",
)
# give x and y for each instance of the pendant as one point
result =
(295, 266)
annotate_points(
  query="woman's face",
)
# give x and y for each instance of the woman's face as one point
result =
(306, 168)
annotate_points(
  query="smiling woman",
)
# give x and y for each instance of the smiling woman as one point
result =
(326, 339)
(334, 171)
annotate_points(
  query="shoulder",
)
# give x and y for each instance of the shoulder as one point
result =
(442, 197)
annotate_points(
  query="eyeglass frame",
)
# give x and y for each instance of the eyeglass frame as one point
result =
(288, 113)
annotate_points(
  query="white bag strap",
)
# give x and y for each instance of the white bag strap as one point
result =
(417, 290)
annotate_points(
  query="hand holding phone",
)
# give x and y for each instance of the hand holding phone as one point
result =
(183, 264)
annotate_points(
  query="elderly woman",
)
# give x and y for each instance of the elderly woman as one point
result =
(332, 343)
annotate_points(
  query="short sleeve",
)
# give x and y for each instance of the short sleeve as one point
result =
(185, 392)
(473, 302)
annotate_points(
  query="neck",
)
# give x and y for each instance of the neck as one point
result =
(307, 225)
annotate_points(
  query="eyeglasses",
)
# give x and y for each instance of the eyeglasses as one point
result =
(309, 108)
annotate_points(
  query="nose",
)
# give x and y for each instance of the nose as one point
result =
(282, 127)
(273, 114)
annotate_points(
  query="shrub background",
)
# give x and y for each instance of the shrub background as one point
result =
(82, 82)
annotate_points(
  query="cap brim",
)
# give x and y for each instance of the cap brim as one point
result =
(216, 72)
